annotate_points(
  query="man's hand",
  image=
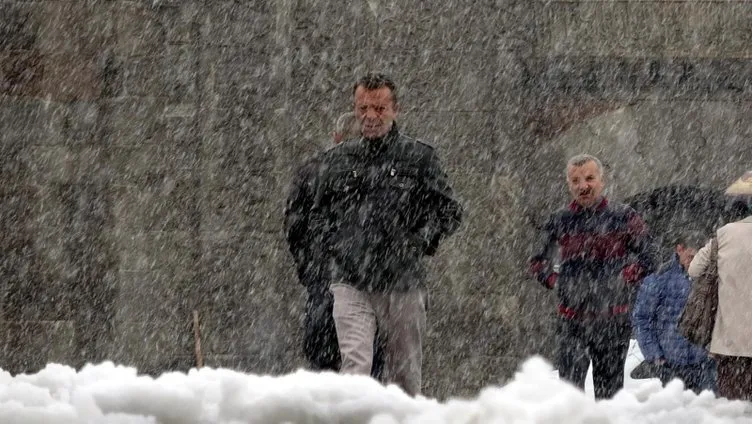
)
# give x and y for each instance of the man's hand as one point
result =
(659, 361)
(537, 266)
(539, 270)
(551, 280)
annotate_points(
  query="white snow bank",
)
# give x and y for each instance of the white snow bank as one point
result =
(106, 393)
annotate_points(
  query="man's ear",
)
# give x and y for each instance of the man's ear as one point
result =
(396, 108)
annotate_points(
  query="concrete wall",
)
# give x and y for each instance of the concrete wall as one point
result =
(147, 147)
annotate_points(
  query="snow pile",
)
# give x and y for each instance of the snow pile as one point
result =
(106, 393)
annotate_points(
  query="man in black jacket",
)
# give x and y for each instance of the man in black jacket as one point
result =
(383, 203)
(304, 238)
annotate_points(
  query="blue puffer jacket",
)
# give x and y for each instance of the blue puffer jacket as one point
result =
(659, 305)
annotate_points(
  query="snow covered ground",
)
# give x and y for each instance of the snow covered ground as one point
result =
(106, 393)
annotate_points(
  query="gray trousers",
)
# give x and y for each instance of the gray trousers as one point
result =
(401, 320)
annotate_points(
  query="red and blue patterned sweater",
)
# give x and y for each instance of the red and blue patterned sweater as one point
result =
(594, 258)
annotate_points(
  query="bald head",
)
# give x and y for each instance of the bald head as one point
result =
(347, 127)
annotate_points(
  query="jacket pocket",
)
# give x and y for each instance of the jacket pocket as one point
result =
(346, 181)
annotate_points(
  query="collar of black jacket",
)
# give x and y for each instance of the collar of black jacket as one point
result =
(378, 145)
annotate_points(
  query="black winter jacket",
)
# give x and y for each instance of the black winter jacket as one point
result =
(367, 211)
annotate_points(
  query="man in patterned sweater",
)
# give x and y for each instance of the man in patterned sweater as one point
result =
(604, 251)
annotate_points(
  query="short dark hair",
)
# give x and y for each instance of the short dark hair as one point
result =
(691, 238)
(374, 81)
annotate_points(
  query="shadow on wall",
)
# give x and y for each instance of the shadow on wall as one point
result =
(671, 208)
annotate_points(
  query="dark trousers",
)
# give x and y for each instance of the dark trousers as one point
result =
(605, 342)
(696, 377)
(734, 377)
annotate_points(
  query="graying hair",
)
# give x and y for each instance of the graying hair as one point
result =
(344, 125)
(583, 158)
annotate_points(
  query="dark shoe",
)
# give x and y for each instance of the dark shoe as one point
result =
(645, 370)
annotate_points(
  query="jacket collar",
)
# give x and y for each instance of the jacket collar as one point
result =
(378, 145)
(672, 266)
(575, 207)
(676, 265)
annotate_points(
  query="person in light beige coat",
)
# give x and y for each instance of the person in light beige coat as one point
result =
(731, 342)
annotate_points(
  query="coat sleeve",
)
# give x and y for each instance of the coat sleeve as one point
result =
(297, 211)
(540, 262)
(445, 214)
(642, 244)
(644, 318)
(700, 261)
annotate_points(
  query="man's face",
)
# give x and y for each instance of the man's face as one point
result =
(585, 183)
(686, 254)
(375, 110)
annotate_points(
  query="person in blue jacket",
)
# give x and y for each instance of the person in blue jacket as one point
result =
(660, 302)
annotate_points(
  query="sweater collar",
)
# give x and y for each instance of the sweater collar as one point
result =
(577, 208)
(676, 265)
